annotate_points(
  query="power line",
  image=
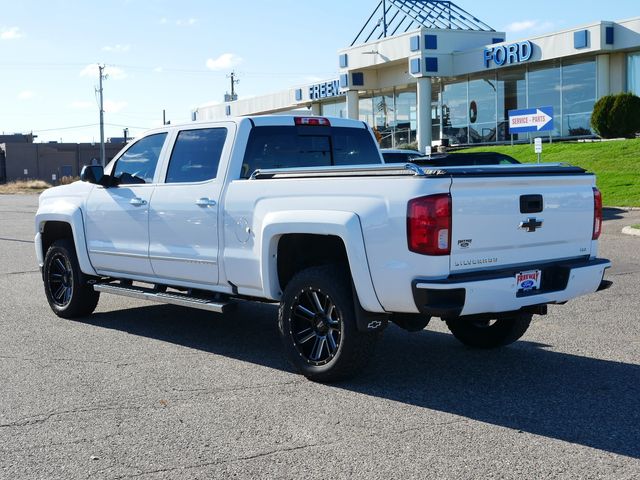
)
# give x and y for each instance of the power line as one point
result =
(74, 127)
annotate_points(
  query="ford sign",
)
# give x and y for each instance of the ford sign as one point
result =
(508, 54)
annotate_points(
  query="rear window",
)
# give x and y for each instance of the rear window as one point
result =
(290, 147)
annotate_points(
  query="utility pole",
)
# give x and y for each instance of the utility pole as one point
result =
(234, 82)
(101, 76)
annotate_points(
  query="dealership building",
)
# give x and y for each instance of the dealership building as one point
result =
(430, 72)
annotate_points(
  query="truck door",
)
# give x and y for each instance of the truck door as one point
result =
(117, 217)
(185, 209)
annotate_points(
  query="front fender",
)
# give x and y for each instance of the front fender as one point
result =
(345, 225)
(60, 210)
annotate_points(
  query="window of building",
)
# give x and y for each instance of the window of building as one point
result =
(196, 155)
(544, 91)
(512, 95)
(454, 112)
(384, 116)
(406, 122)
(337, 109)
(482, 109)
(578, 97)
(633, 69)
(138, 163)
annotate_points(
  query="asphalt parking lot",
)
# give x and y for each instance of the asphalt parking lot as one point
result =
(152, 391)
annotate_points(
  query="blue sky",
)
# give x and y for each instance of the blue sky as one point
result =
(164, 54)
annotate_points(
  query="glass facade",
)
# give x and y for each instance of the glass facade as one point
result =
(392, 114)
(578, 97)
(475, 108)
(336, 109)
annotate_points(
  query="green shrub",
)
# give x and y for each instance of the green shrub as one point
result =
(616, 116)
(625, 115)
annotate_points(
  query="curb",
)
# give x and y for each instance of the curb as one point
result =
(626, 209)
(631, 231)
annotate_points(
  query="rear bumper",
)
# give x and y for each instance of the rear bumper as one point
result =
(495, 291)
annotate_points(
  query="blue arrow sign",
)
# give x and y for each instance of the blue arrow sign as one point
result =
(531, 120)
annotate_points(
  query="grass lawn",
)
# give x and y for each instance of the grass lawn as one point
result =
(616, 164)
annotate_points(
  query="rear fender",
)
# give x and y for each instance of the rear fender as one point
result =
(345, 225)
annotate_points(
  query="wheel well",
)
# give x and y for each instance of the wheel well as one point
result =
(55, 231)
(299, 251)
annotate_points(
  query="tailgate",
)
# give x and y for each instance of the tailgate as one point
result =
(511, 220)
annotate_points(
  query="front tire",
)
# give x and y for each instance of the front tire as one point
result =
(66, 293)
(490, 333)
(317, 325)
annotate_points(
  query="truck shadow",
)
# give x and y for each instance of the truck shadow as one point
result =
(524, 387)
(609, 213)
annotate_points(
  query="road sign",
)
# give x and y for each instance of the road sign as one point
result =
(531, 120)
(538, 145)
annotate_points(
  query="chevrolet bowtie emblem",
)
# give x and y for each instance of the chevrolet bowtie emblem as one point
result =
(531, 225)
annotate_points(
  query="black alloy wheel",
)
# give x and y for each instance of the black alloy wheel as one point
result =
(65, 286)
(316, 326)
(59, 281)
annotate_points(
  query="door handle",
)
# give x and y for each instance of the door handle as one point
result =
(137, 202)
(206, 202)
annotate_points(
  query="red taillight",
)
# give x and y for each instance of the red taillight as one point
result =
(597, 214)
(429, 225)
(312, 121)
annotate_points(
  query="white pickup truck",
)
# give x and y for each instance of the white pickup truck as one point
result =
(301, 211)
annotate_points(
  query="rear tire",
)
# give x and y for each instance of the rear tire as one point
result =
(66, 293)
(317, 325)
(490, 334)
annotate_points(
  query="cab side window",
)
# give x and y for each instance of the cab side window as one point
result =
(138, 163)
(196, 155)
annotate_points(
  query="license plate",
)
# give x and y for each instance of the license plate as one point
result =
(527, 281)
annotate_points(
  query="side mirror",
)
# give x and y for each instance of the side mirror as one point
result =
(92, 174)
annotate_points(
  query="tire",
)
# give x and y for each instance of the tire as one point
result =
(66, 293)
(485, 334)
(317, 325)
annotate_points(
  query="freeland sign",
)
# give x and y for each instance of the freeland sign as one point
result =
(508, 54)
(325, 90)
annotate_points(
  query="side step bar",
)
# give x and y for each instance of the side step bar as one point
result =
(162, 297)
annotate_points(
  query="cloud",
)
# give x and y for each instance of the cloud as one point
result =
(158, 70)
(224, 62)
(113, 72)
(116, 48)
(82, 105)
(531, 26)
(26, 95)
(163, 21)
(189, 22)
(12, 33)
(111, 106)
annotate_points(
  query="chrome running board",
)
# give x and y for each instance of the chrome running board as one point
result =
(179, 299)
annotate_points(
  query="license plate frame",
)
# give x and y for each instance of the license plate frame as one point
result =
(528, 281)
